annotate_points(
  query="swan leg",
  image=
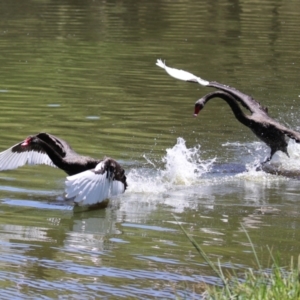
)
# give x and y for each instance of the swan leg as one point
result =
(261, 165)
(267, 160)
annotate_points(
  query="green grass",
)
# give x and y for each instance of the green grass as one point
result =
(275, 283)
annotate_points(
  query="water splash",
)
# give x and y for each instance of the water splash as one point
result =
(283, 165)
(182, 167)
(280, 164)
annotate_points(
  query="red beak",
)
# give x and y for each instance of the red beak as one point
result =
(26, 142)
(197, 110)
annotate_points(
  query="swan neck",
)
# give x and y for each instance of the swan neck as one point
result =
(54, 155)
(231, 101)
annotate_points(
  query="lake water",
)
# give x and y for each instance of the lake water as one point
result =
(85, 71)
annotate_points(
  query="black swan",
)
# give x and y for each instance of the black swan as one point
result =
(90, 180)
(262, 125)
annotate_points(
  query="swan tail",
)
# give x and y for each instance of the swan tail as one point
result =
(294, 135)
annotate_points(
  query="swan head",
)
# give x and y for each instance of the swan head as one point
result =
(198, 107)
(29, 140)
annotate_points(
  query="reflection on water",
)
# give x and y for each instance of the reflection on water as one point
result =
(134, 227)
(85, 71)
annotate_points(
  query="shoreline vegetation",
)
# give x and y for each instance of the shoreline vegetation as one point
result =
(277, 282)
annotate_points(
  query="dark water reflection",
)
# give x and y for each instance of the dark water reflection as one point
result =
(86, 71)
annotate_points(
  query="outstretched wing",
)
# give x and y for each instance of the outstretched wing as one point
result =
(246, 100)
(19, 155)
(93, 186)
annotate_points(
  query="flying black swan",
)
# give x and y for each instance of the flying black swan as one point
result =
(90, 180)
(262, 125)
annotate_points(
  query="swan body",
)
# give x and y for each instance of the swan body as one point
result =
(90, 180)
(262, 125)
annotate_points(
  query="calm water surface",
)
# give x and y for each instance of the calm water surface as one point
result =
(86, 72)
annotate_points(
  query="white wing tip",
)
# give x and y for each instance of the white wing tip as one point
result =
(181, 74)
(160, 63)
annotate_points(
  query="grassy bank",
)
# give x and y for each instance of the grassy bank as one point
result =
(274, 283)
(277, 283)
